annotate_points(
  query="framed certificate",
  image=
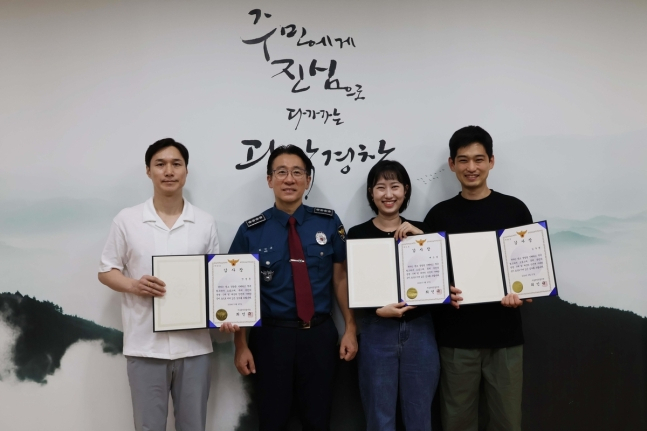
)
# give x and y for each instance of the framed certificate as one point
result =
(205, 291)
(488, 265)
(383, 271)
(527, 260)
(422, 262)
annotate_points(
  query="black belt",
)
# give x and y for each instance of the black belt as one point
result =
(317, 320)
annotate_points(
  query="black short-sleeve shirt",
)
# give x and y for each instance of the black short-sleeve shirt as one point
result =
(488, 325)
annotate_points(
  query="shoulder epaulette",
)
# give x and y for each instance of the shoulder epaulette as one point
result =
(256, 220)
(323, 211)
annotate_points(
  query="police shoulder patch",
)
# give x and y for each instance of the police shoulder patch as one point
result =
(323, 211)
(255, 220)
(342, 232)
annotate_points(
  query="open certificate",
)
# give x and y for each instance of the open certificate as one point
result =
(381, 271)
(205, 291)
(488, 265)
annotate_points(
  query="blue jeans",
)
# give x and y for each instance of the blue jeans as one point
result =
(398, 358)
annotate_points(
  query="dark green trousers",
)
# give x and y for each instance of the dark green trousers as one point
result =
(492, 378)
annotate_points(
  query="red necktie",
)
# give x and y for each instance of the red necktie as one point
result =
(302, 288)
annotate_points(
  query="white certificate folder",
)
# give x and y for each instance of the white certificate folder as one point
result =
(488, 265)
(207, 290)
(382, 271)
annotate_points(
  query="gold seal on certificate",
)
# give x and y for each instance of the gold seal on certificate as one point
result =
(221, 314)
(412, 293)
(517, 286)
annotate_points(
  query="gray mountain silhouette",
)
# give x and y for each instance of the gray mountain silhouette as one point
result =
(45, 334)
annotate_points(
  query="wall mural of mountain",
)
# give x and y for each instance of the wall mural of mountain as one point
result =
(44, 334)
(584, 366)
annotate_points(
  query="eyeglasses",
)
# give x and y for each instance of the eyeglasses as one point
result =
(282, 173)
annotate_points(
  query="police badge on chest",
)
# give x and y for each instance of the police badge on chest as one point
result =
(321, 238)
(267, 275)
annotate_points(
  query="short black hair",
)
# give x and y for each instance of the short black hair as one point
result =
(163, 143)
(389, 170)
(467, 136)
(289, 149)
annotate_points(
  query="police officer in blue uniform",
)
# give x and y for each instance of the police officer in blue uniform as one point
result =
(295, 359)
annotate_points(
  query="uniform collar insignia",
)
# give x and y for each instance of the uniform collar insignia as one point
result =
(323, 211)
(256, 220)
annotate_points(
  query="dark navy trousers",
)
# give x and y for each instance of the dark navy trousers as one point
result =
(294, 365)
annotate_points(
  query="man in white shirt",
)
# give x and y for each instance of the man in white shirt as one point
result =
(160, 362)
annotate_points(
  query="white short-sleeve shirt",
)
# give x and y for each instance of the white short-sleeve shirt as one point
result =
(137, 234)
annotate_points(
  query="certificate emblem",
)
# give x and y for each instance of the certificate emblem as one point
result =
(233, 261)
(267, 275)
(221, 314)
(412, 292)
(517, 286)
(522, 233)
(421, 242)
(321, 238)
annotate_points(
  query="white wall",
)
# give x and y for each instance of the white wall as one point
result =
(85, 87)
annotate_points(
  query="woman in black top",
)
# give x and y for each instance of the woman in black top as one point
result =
(397, 356)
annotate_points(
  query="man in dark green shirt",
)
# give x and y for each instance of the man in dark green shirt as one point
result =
(481, 345)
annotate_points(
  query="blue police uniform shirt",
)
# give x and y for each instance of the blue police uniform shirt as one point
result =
(267, 236)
